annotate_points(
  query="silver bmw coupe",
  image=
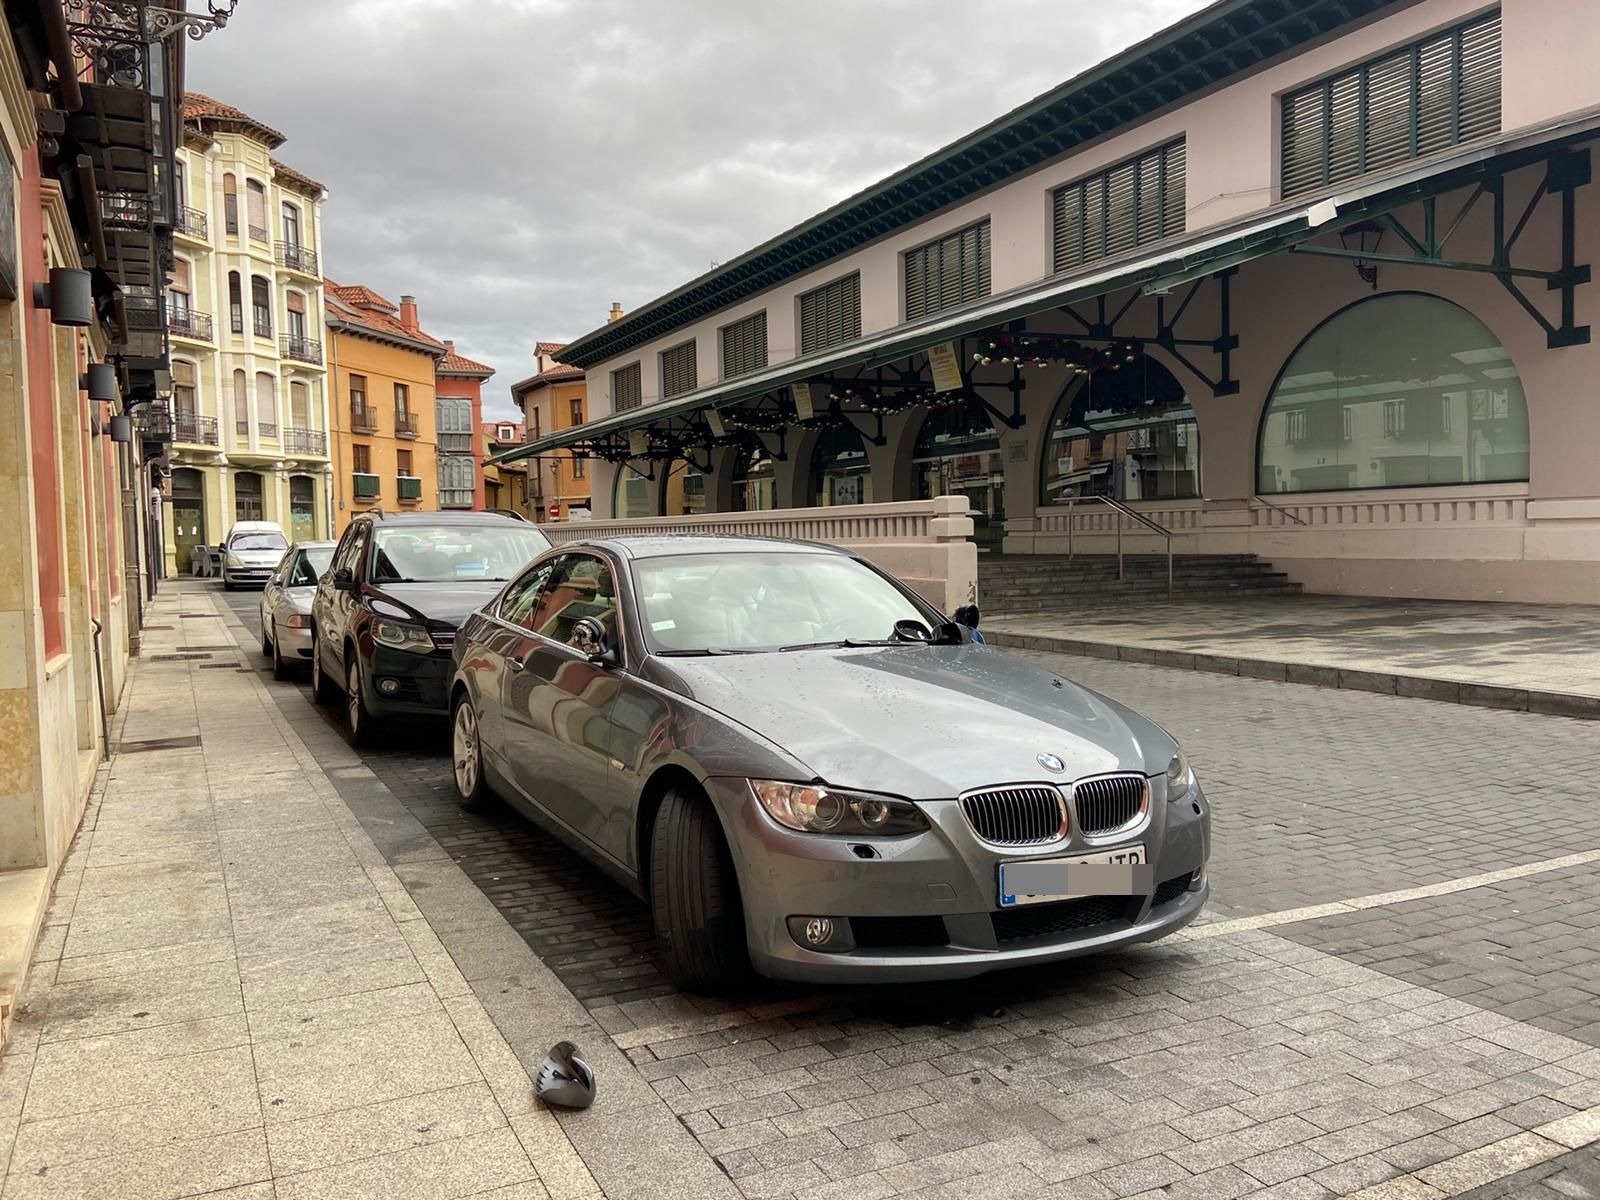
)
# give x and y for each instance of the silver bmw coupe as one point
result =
(805, 768)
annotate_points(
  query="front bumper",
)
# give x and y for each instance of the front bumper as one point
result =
(926, 906)
(256, 576)
(421, 682)
(293, 643)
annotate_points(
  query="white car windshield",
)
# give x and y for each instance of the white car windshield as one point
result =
(706, 603)
(259, 541)
(455, 553)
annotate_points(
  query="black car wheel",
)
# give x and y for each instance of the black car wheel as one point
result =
(694, 895)
(357, 718)
(266, 641)
(280, 668)
(323, 689)
(466, 758)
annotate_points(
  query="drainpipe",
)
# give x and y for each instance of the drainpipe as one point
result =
(100, 686)
(337, 486)
(133, 577)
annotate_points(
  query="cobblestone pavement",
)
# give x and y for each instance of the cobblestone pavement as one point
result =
(1316, 1036)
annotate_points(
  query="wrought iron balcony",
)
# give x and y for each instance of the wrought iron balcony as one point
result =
(242, 428)
(154, 422)
(409, 488)
(301, 349)
(186, 323)
(126, 210)
(365, 485)
(305, 441)
(258, 234)
(296, 257)
(196, 430)
(405, 425)
(363, 418)
(191, 222)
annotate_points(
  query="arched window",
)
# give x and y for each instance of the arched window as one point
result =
(685, 492)
(241, 404)
(840, 473)
(632, 498)
(755, 487)
(235, 303)
(261, 306)
(230, 203)
(256, 210)
(1402, 390)
(247, 496)
(302, 508)
(1129, 434)
(267, 404)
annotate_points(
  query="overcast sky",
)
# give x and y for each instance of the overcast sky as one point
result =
(519, 164)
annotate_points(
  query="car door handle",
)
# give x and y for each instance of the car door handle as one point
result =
(515, 662)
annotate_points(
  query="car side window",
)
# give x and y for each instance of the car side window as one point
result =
(344, 553)
(517, 605)
(302, 574)
(579, 585)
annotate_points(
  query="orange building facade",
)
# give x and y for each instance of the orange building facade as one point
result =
(555, 398)
(460, 383)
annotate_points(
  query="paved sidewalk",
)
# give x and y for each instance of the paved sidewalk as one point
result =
(235, 994)
(1537, 658)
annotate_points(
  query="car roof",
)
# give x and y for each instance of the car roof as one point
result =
(313, 545)
(462, 517)
(677, 544)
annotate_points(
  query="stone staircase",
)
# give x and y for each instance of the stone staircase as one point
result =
(1023, 583)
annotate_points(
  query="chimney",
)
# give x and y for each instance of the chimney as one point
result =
(408, 314)
(616, 313)
(449, 345)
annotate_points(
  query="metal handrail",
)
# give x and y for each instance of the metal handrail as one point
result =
(1122, 510)
(1277, 509)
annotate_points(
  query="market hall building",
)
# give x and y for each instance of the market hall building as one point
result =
(1308, 279)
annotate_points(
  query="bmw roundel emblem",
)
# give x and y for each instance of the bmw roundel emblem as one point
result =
(1051, 763)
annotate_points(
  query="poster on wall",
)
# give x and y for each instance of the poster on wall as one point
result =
(8, 225)
(946, 367)
(803, 409)
(847, 489)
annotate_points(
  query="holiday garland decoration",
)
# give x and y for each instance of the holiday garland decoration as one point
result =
(1045, 349)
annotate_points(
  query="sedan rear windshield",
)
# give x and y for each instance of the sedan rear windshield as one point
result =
(454, 553)
(758, 601)
(259, 541)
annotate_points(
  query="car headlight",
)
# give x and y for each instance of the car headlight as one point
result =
(234, 560)
(298, 621)
(1179, 777)
(398, 635)
(811, 808)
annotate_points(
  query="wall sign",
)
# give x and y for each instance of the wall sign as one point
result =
(946, 367)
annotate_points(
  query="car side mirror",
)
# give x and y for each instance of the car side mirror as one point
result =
(589, 639)
(344, 580)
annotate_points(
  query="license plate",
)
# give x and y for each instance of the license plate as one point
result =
(1122, 872)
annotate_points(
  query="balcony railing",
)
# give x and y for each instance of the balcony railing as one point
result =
(297, 258)
(408, 488)
(185, 322)
(154, 422)
(258, 234)
(405, 424)
(366, 485)
(242, 428)
(305, 441)
(126, 210)
(196, 430)
(363, 419)
(266, 429)
(191, 222)
(301, 349)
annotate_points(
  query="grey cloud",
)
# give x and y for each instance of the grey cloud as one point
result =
(519, 164)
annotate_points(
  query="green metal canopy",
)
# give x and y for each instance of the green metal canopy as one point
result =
(1158, 269)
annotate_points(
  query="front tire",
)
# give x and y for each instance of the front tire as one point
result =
(694, 895)
(357, 717)
(323, 689)
(266, 641)
(280, 668)
(466, 758)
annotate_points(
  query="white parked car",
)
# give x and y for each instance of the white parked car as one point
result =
(252, 552)
(286, 605)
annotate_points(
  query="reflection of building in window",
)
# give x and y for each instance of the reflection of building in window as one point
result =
(1397, 391)
(1129, 434)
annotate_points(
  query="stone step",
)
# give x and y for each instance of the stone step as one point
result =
(1067, 600)
(1032, 582)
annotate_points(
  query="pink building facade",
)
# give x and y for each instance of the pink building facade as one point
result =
(1325, 299)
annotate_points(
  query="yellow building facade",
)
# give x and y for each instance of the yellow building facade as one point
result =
(382, 404)
(244, 313)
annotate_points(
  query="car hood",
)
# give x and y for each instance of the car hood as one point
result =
(258, 558)
(297, 599)
(434, 603)
(924, 722)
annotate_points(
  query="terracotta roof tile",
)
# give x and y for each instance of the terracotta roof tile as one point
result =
(198, 107)
(459, 364)
(560, 373)
(364, 310)
(295, 179)
(549, 347)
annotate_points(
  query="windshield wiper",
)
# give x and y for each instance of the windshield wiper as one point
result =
(701, 653)
(847, 643)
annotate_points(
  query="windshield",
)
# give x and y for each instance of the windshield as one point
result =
(310, 565)
(766, 602)
(259, 541)
(455, 553)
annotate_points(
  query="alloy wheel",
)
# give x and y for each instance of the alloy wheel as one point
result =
(352, 696)
(464, 751)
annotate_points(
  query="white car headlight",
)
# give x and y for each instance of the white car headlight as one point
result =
(811, 808)
(1179, 777)
(234, 560)
(399, 635)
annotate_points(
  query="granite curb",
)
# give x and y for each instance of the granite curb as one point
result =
(1421, 687)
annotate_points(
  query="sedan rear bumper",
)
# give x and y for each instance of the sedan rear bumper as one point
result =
(926, 906)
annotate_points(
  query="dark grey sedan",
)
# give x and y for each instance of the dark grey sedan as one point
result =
(805, 768)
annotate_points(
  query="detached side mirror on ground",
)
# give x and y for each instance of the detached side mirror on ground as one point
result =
(590, 640)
